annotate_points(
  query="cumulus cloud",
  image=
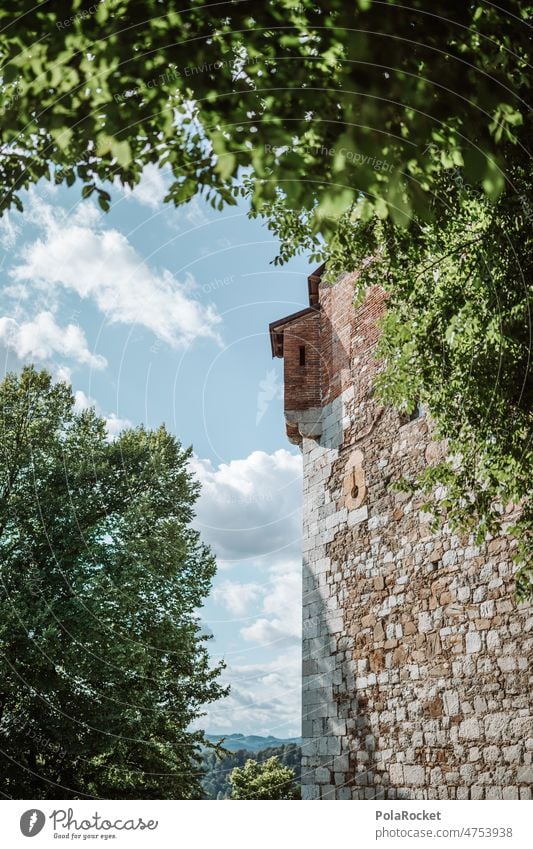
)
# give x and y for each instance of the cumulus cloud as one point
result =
(82, 401)
(151, 189)
(236, 597)
(265, 698)
(270, 389)
(9, 230)
(42, 338)
(63, 373)
(78, 256)
(249, 511)
(114, 424)
(195, 213)
(281, 621)
(251, 508)
(272, 608)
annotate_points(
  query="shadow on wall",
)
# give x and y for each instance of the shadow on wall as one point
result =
(339, 752)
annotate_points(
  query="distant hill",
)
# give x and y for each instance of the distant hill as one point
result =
(251, 742)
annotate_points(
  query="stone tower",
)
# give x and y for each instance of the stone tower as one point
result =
(415, 655)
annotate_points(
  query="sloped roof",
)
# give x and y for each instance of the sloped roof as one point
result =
(276, 327)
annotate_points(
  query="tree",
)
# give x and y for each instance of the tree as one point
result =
(268, 780)
(104, 665)
(218, 768)
(331, 102)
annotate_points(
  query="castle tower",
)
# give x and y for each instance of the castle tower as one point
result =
(415, 655)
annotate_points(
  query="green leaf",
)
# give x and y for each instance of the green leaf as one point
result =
(226, 165)
(121, 151)
(494, 180)
(335, 203)
(62, 137)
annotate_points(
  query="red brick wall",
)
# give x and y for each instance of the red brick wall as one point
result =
(348, 334)
(338, 342)
(302, 383)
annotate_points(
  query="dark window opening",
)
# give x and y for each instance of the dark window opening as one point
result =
(415, 413)
(302, 355)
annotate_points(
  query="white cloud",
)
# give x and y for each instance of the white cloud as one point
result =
(102, 266)
(9, 230)
(18, 292)
(270, 389)
(251, 508)
(265, 698)
(236, 597)
(63, 373)
(42, 338)
(195, 213)
(86, 214)
(282, 604)
(151, 189)
(249, 511)
(114, 424)
(82, 401)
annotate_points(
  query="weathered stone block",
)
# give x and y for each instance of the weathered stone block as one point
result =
(510, 793)
(469, 729)
(322, 775)
(525, 775)
(473, 642)
(507, 663)
(451, 702)
(425, 622)
(355, 517)
(415, 775)
(396, 774)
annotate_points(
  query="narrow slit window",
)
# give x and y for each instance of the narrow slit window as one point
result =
(415, 413)
(302, 355)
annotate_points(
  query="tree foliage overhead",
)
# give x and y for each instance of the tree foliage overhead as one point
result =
(267, 780)
(327, 101)
(103, 663)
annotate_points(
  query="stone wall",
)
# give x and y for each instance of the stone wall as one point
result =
(415, 656)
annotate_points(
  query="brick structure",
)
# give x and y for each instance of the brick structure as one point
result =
(416, 679)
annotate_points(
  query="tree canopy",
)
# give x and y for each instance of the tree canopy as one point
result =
(333, 103)
(104, 664)
(267, 780)
(218, 768)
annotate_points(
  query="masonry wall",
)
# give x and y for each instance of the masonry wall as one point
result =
(415, 656)
(302, 382)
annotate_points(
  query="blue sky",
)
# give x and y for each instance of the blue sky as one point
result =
(157, 314)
